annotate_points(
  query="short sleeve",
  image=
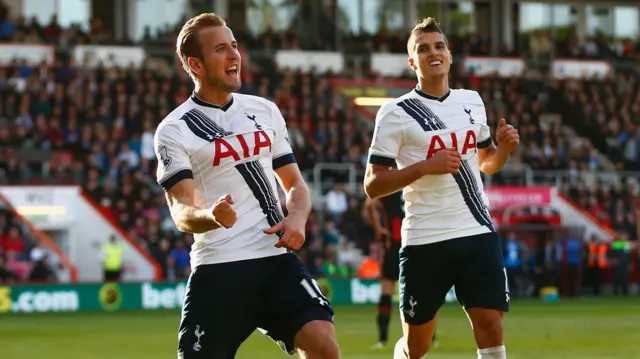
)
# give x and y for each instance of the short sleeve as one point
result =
(282, 152)
(484, 137)
(174, 164)
(387, 139)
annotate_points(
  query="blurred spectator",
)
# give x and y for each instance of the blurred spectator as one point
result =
(13, 244)
(6, 275)
(180, 256)
(370, 266)
(337, 203)
(574, 253)
(514, 262)
(597, 263)
(42, 270)
(112, 259)
(620, 261)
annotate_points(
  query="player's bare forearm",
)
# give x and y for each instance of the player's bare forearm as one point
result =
(492, 159)
(187, 217)
(299, 201)
(381, 181)
(190, 219)
(298, 196)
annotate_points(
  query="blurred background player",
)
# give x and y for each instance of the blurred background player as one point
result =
(217, 155)
(448, 237)
(386, 214)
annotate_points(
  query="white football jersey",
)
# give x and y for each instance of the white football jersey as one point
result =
(233, 149)
(413, 128)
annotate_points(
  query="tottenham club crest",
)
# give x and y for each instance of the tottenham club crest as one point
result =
(255, 123)
(412, 310)
(164, 156)
(197, 346)
(468, 111)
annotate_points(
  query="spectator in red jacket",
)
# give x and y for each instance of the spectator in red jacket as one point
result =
(13, 243)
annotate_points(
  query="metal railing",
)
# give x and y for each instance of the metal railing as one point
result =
(518, 174)
(321, 181)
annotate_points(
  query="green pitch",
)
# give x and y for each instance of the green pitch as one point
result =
(576, 329)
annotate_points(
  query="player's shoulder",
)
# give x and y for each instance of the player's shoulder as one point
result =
(393, 109)
(470, 97)
(171, 125)
(256, 102)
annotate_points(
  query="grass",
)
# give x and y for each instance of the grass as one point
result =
(569, 329)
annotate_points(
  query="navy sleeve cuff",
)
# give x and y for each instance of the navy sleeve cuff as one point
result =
(381, 160)
(486, 143)
(283, 160)
(177, 177)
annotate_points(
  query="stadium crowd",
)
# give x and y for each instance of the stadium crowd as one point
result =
(99, 124)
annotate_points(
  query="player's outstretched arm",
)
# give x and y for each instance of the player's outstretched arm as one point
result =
(380, 180)
(191, 219)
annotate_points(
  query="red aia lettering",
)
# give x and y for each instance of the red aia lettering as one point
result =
(437, 143)
(261, 140)
(224, 149)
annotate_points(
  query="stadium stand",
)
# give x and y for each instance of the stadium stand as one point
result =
(65, 123)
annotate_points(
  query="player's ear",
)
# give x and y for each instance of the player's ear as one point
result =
(412, 63)
(194, 64)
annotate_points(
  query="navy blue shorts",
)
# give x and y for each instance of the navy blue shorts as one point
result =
(474, 265)
(226, 302)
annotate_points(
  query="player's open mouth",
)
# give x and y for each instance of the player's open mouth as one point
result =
(232, 70)
(435, 63)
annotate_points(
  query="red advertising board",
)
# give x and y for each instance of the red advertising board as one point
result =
(501, 197)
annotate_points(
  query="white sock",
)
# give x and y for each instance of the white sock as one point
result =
(399, 350)
(492, 353)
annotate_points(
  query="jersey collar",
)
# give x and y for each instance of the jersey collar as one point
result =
(431, 97)
(200, 102)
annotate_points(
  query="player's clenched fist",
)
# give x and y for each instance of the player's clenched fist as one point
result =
(223, 214)
(444, 161)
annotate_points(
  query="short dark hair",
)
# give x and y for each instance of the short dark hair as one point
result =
(426, 25)
(187, 44)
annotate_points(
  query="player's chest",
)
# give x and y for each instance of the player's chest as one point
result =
(231, 140)
(430, 131)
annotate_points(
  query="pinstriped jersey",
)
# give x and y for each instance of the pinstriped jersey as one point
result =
(233, 149)
(413, 128)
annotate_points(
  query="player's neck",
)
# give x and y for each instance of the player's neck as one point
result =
(434, 87)
(212, 96)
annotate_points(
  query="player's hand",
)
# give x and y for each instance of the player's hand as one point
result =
(444, 161)
(507, 136)
(223, 213)
(383, 234)
(293, 233)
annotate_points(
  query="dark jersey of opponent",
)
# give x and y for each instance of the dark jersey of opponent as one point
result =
(392, 214)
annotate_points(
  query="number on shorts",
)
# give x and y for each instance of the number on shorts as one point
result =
(313, 290)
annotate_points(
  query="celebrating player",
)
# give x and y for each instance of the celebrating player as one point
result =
(440, 141)
(216, 155)
(386, 216)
